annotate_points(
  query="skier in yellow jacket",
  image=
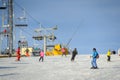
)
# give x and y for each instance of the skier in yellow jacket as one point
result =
(108, 55)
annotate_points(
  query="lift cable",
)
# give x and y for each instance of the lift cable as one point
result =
(74, 33)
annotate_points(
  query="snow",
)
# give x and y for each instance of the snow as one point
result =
(59, 68)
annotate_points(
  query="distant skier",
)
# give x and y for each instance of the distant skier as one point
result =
(18, 54)
(119, 51)
(27, 52)
(74, 53)
(94, 56)
(41, 56)
(63, 50)
(108, 55)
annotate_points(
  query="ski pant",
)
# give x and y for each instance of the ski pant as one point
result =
(73, 57)
(108, 58)
(93, 62)
(41, 58)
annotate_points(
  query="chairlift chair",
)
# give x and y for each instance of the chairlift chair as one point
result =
(22, 18)
(38, 37)
(3, 7)
(21, 24)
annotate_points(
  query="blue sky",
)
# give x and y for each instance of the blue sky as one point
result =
(96, 22)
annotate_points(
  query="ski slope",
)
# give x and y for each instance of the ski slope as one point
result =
(59, 68)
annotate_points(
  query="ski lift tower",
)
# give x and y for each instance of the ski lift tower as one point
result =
(45, 35)
(10, 22)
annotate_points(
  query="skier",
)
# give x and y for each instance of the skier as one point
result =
(18, 54)
(27, 52)
(94, 56)
(41, 56)
(108, 55)
(74, 53)
(63, 51)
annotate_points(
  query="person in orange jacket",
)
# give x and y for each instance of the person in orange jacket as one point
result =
(18, 54)
(27, 52)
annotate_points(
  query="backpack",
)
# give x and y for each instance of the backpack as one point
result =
(97, 56)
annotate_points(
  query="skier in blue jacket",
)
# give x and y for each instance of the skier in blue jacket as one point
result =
(94, 58)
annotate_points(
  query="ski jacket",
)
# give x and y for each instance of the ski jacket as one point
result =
(42, 54)
(95, 54)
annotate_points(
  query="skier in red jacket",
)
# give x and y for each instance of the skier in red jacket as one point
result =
(18, 54)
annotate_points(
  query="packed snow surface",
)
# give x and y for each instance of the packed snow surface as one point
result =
(59, 68)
